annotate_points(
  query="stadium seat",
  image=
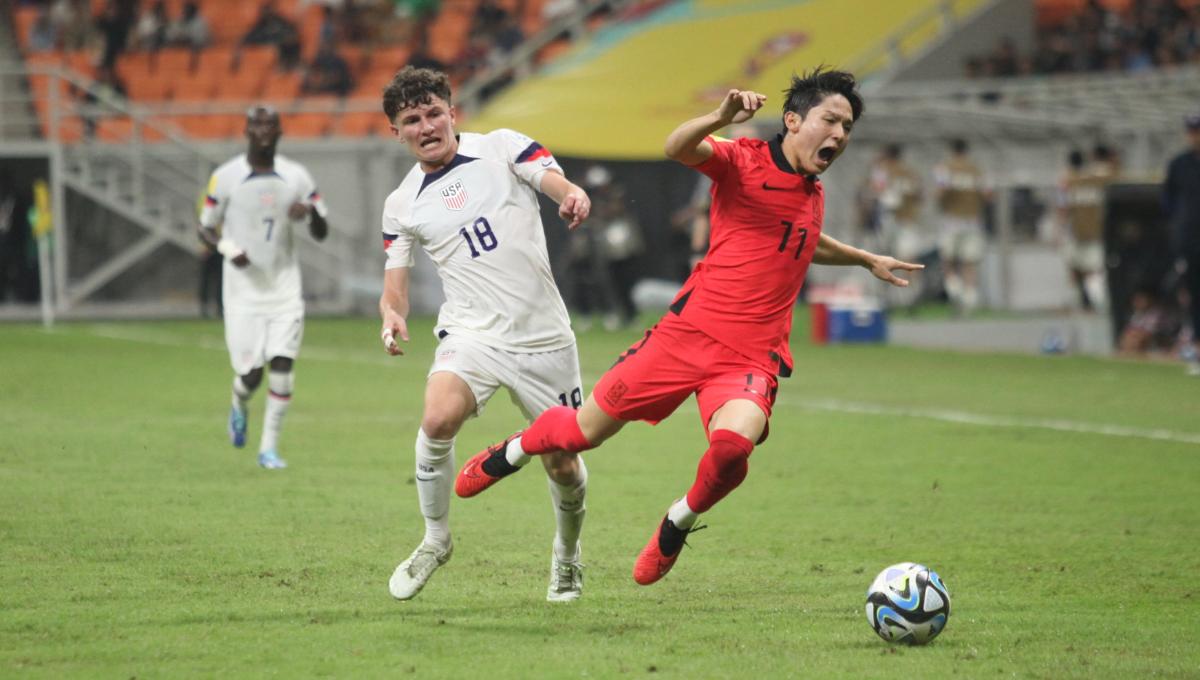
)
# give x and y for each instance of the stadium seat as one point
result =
(307, 125)
(117, 129)
(23, 20)
(258, 59)
(172, 61)
(199, 86)
(282, 87)
(362, 124)
(216, 60)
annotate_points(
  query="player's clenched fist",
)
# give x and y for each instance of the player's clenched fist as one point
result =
(393, 326)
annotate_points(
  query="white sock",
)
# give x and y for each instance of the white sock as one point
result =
(682, 515)
(515, 455)
(1097, 291)
(569, 510)
(241, 393)
(279, 397)
(954, 288)
(970, 298)
(435, 477)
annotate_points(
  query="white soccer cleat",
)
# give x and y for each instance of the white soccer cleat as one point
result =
(566, 579)
(412, 574)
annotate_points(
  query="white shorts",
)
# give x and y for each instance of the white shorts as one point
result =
(535, 381)
(961, 240)
(903, 239)
(1087, 256)
(254, 339)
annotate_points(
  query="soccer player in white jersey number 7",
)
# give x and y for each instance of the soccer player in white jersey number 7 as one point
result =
(257, 199)
(470, 202)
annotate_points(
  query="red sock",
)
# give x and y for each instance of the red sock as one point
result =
(721, 470)
(555, 430)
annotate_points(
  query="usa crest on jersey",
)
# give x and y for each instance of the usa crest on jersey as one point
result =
(455, 196)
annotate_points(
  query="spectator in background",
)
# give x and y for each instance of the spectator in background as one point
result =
(43, 35)
(72, 23)
(1151, 328)
(190, 29)
(961, 195)
(328, 73)
(621, 244)
(1181, 199)
(419, 14)
(896, 188)
(1081, 222)
(272, 28)
(150, 33)
(18, 250)
(115, 22)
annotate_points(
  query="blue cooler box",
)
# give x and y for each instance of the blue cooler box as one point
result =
(857, 324)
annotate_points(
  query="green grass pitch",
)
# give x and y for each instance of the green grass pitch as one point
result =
(1058, 497)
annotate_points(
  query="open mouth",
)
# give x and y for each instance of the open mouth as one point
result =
(827, 153)
(430, 142)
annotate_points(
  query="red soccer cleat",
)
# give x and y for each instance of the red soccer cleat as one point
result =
(659, 555)
(472, 479)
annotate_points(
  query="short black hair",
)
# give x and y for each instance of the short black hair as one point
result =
(959, 145)
(811, 88)
(1075, 158)
(414, 87)
(893, 151)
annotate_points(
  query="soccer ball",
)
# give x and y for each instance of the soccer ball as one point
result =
(908, 603)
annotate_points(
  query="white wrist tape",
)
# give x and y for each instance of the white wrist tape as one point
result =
(229, 249)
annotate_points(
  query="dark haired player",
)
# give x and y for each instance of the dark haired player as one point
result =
(725, 338)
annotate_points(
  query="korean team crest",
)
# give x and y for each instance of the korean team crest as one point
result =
(455, 196)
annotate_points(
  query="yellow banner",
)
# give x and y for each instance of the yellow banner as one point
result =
(617, 95)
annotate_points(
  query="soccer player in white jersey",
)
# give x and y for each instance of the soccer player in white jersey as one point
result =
(257, 199)
(470, 202)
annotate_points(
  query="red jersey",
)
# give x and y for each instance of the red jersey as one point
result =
(765, 222)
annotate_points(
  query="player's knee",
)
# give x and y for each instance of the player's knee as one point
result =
(440, 425)
(281, 364)
(563, 467)
(730, 452)
(253, 378)
(280, 383)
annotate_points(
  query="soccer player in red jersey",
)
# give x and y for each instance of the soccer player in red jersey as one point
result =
(725, 337)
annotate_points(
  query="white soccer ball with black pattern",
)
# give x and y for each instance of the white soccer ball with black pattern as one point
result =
(908, 603)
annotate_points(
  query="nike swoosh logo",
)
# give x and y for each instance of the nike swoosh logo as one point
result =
(768, 187)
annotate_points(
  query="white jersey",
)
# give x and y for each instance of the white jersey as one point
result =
(252, 210)
(478, 220)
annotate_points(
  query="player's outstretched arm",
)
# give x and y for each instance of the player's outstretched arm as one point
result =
(574, 206)
(393, 308)
(832, 251)
(686, 143)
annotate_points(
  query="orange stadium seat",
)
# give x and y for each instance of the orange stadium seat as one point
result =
(195, 87)
(388, 59)
(82, 62)
(217, 60)
(240, 85)
(448, 35)
(549, 52)
(304, 125)
(205, 126)
(362, 124)
(172, 61)
(118, 129)
(259, 59)
(23, 20)
(148, 88)
(282, 87)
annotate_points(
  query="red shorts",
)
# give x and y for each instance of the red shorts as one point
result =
(674, 359)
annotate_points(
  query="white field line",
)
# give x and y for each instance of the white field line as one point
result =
(119, 332)
(989, 420)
